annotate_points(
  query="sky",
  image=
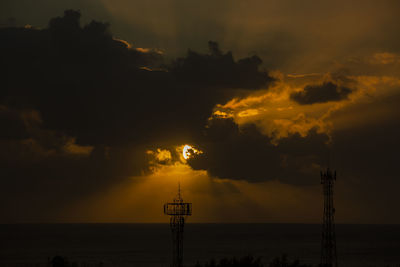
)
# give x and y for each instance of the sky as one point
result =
(99, 99)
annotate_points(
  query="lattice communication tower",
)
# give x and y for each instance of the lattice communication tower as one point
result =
(178, 210)
(328, 245)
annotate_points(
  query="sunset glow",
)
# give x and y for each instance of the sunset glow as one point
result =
(253, 106)
(244, 130)
(188, 151)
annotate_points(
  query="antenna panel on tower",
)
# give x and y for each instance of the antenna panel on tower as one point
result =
(183, 209)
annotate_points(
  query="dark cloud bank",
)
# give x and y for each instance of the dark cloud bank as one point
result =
(76, 85)
(88, 85)
(246, 154)
(328, 91)
(78, 110)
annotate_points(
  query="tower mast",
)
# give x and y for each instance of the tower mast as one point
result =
(328, 245)
(178, 210)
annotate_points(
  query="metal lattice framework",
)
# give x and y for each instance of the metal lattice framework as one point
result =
(328, 245)
(178, 210)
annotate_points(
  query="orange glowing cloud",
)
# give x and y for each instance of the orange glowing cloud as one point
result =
(278, 116)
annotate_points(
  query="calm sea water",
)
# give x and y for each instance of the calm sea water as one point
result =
(123, 245)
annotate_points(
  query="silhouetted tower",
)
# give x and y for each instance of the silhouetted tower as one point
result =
(328, 245)
(178, 210)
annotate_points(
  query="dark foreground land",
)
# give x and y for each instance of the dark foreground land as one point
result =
(123, 245)
(246, 261)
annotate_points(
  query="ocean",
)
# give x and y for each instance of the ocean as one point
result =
(120, 245)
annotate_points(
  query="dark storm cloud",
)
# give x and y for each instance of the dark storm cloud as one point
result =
(12, 124)
(43, 171)
(247, 154)
(284, 33)
(328, 91)
(81, 108)
(220, 70)
(93, 87)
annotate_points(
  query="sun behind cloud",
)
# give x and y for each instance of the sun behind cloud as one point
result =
(189, 151)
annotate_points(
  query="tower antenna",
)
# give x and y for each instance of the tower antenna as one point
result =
(328, 244)
(178, 210)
